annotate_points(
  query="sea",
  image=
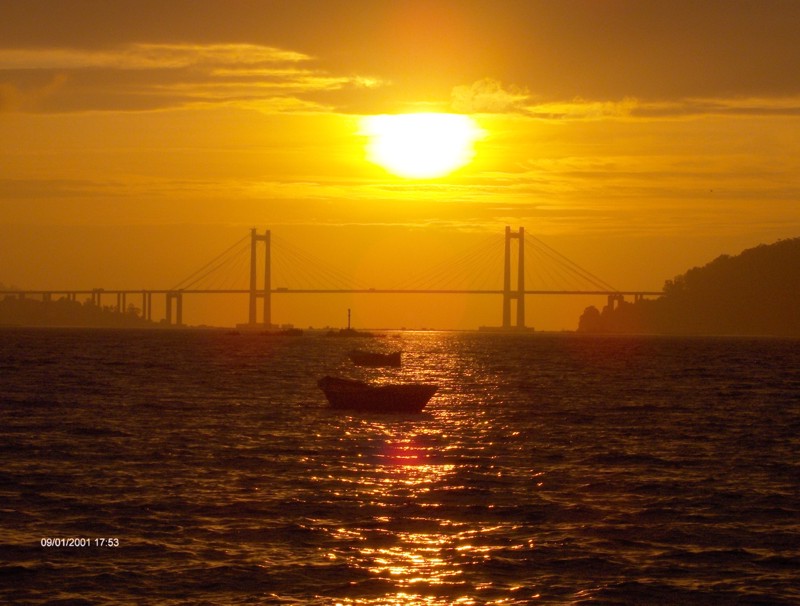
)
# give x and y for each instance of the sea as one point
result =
(205, 467)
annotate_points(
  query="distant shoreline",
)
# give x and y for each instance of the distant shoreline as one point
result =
(381, 333)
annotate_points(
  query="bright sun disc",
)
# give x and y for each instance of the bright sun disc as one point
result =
(420, 146)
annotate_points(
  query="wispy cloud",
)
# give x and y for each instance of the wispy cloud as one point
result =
(490, 96)
(147, 56)
(160, 76)
(733, 106)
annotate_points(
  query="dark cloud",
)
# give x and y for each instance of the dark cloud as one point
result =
(157, 76)
(602, 50)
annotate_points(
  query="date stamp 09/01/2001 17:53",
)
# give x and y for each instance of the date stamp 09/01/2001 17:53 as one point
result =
(80, 542)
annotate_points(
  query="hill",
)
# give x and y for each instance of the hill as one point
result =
(754, 293)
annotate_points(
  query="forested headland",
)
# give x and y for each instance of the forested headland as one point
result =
(754, 293)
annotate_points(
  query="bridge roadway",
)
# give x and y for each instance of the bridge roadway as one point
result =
(308, 291)
(176, 296)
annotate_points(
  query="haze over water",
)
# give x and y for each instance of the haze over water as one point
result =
(552, 469)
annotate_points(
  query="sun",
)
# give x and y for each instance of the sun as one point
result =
(421, 145)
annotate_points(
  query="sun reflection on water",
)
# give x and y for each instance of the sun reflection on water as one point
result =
(408, 542)
(430, 493)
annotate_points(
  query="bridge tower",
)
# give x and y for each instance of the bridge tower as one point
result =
(265, 292)
(519, 293)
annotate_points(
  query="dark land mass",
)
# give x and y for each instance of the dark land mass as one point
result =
(16, 311)
(754, 293)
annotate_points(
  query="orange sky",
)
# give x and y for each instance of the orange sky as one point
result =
(639, 138)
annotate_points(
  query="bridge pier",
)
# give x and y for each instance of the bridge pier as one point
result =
(177, 296)
(147, 305)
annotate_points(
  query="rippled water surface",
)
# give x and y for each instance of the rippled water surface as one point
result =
(206, 468)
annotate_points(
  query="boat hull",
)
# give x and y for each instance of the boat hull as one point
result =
(368, 358)
(395, 398)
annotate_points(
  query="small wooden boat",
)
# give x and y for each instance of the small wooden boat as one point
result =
(349, 332)
(371, 358)
(393, 397)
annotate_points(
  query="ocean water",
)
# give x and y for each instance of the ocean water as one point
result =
(200, 467)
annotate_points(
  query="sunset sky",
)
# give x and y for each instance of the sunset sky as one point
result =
(139, 139)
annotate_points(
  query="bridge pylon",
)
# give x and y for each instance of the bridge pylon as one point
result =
(265, 292)
(517, 294)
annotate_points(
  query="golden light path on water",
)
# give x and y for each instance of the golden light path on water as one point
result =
(415, 557)
(422, 533)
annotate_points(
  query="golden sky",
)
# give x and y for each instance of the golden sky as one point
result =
(639, 138)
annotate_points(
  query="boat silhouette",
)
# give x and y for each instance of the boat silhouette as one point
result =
(384, 398)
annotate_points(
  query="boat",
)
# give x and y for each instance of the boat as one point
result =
(372, 358)
(349, 332)
(390, 398)
(284, 332)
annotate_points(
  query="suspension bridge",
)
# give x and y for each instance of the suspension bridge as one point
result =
(528, 267)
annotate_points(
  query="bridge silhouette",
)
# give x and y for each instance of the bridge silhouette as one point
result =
(255, 257)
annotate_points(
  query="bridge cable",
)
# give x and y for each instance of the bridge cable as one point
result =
(209, 267)
(569, 265)
(452, 269)
(311, 267)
